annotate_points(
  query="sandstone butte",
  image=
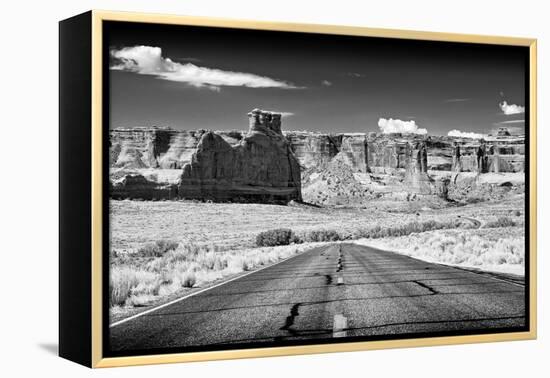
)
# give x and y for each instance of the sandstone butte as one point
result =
(266, 164)
(256, 167)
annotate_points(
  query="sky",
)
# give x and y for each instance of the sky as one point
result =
(209, 78)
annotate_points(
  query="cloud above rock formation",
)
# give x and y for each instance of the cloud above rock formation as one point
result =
(283, 114)
(355, 74)
(510, 122)
(148, 60)
(510, 109)
(388, 126)
(465, 134)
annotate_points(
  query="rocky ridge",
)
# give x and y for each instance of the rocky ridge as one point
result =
(266, 164)
(256, 167)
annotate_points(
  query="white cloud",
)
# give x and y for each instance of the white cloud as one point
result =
(326, 83)
(148, 60)
(509, 122)
(388, 126)
(355, 74)
(283, 114)
(511, 108)
(465, 134)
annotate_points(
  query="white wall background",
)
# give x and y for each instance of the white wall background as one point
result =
(28, 140)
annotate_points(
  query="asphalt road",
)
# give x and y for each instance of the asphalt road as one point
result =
(338, 290)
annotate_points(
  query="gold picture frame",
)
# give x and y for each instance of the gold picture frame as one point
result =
(97, 359)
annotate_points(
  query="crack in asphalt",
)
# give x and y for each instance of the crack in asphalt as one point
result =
(289, 322)
(431, 289)
(330, 301)
(486, 283)
(318, 332)
(316, 308)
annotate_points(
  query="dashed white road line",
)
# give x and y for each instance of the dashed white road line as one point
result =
(339, 326)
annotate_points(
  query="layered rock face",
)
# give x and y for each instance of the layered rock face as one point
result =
(260, 168)
(137, 186)
(314, 149)
(266, 164)
(416, 173)
(387, 153)
(135, 148)
(354, 151)
(153, 147)
(219, 166)
(496, 154)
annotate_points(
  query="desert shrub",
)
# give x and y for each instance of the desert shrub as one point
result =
(148, 287)
(459, 248)
(500, 222)
(322, 236)
(296, 239)
(377, 232)
(345, 235)
(473, 199)
(238, 264)
(140, 300)
(188, 279)
(271, 238)
(189, 265)
(156, 249)
(126, 281)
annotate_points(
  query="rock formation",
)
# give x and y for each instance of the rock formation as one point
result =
(312, 149)
(136, 148)
(334, 184)
(260, 168)
(137, 186)
(266, 164)
(154, 147)
(354, 151)
(416, 169)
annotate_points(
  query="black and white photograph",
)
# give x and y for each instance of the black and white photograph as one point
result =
(270, 188)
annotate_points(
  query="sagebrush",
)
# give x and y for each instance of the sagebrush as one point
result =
(161, 268)
(280, 236)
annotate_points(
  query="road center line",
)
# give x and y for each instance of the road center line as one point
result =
(339, 326)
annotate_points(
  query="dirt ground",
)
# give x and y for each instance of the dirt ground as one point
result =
(233, 226)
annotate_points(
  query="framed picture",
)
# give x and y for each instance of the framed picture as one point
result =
(235, 189)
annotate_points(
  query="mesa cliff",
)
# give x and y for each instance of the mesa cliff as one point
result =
(258, 166)
(266, 164)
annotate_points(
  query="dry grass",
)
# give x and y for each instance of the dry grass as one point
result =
(139, 281)
(125, 282)
(160, 248)
(497, 249)
(233, 226)
(157, 249)
(501, 222)
(280, 236)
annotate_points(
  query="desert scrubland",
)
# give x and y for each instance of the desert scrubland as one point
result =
(161, 249)
(192, 208)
